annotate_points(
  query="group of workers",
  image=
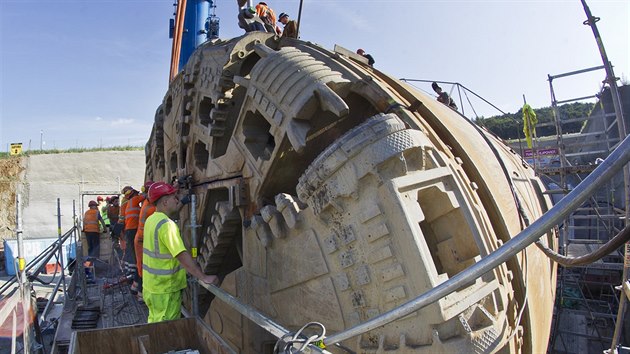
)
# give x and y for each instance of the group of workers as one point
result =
(263, 18)
(153, 253)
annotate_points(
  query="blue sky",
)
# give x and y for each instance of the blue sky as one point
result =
(88, 73)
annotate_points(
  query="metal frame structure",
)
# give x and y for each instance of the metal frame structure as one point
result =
(21, 301)
(595, 222)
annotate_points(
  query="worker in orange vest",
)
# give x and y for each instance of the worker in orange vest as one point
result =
(147, 209)
(119, 229)
(268, 17)
(91, 221)
(132, 215)
(113, 210)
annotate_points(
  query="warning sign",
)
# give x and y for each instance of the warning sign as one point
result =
(16, 149)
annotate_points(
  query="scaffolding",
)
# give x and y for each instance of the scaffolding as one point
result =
(586, 297)
(590, 308)
(587, 304)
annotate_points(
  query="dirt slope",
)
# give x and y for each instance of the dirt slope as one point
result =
(10, 175)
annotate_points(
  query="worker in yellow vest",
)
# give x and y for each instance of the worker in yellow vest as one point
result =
(165, 259)
(91, 221)
(102, 207)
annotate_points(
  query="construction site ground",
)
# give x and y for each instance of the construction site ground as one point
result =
(47, 182)
(106, 302)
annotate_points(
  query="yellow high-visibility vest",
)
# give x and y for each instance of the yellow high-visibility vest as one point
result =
(161, 271)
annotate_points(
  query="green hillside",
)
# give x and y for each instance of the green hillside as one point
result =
(74, 150)
(510, 125)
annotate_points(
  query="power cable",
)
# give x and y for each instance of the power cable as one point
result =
(286, 343)
(622, 237)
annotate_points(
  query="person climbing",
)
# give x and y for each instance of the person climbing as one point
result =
(443, 96)
(165, 259)
(290, 26)
(367, 56)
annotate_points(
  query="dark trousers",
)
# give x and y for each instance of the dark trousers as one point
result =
(130, 254)
(93, 241)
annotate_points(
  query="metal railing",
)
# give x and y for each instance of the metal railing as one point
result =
(255, 316)
(39, 260)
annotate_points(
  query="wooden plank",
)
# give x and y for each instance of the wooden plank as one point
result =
(145, 346)
(212, 340)
(343, 51)
(187, 333)
(571, 343)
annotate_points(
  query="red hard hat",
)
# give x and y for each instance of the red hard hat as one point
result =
(99, 198)
(146, 186)
(92, 203)
(108, 199)
(160, 189)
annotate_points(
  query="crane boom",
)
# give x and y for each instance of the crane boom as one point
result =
(192, 26)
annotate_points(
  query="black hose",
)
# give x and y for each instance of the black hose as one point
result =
(622, 237)
(33, 277)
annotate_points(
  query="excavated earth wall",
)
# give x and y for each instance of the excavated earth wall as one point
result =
(41, 179)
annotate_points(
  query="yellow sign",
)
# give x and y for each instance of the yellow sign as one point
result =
(16, 149)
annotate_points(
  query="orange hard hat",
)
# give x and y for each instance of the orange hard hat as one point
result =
(160, 189)
(92, 203)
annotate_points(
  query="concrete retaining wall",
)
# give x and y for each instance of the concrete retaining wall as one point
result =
(66, 176)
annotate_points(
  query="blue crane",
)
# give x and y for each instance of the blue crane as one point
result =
(193, 25)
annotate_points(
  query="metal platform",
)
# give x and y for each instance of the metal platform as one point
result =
(577, 250)
(100, 299)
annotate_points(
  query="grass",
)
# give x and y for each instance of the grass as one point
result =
(75, 150)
